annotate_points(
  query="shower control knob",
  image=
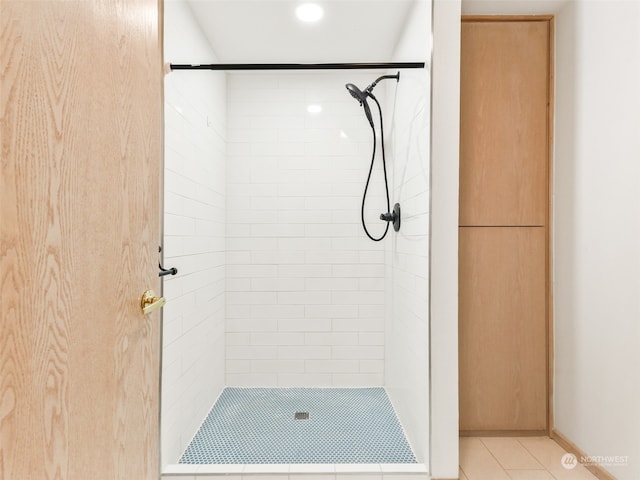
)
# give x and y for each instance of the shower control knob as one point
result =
(392, 217)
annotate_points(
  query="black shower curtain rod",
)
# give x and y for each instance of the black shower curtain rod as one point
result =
(297, 66)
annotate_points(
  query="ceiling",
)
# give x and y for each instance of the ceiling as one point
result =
(268, 31)
(511, 7)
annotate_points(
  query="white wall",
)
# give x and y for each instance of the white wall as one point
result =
(305, 287)
(407, 252)
(597, 230)
(445, 131)
(194, 229)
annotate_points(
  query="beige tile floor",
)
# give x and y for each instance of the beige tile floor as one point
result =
(515, 458)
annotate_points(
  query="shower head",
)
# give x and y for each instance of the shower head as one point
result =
(362, 98)
(356, 92)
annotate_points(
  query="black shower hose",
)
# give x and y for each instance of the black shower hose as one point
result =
(384, 167)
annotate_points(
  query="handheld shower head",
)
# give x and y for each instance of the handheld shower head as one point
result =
(362, 98)
(356, 92)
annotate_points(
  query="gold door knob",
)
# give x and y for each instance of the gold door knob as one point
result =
(150, 302)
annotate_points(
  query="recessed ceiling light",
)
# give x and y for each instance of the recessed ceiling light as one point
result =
(309, 12)
(314, 108)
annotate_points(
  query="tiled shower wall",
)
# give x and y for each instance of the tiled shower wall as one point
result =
(305, 287)
(194, 242)
(407, 287)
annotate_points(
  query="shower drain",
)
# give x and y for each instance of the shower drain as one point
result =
(301, 416)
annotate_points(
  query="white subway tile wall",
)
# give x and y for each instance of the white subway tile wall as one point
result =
(305, 287)
(407, 279)
(194, 235)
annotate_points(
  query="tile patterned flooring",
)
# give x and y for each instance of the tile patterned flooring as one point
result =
(341, 426)
(515, 458)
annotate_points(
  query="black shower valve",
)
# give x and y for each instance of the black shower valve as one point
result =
(392, 217)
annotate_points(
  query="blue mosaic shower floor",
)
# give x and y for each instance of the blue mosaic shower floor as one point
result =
(257, 425)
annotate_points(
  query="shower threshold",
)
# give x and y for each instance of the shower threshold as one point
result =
(299, 471)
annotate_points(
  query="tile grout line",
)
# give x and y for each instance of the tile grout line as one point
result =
(465, 473)
(542, 467)
(494, 457)
(537, 459)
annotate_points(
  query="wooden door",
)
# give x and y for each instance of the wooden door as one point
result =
(504, 83)
(502, 330)
(81, 136)
(503, 256)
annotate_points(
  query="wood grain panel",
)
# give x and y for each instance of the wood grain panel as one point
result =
(80, 134)
(502, 308)
(504, 96)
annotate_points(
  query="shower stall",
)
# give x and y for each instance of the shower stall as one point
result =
(287, 328)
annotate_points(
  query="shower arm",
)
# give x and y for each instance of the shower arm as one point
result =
(370, 88)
